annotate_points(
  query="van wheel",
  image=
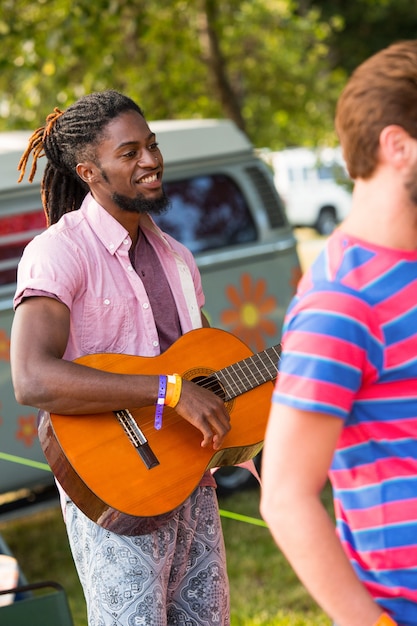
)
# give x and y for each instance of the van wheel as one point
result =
(231, 479)
(326, 221)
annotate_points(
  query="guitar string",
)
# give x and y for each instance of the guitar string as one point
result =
(271, 371)
(130, 426)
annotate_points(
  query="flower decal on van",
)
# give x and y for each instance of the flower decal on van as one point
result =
(247, 318)
(4, 346)
(27, 430)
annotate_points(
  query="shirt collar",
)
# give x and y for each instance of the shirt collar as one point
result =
(109, 231)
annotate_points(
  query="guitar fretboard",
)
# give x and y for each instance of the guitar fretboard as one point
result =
(249, 373)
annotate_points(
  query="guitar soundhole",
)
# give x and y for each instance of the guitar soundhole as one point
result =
(211, 383)
(204, 377)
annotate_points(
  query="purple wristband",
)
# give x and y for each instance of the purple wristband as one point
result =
(160, 402)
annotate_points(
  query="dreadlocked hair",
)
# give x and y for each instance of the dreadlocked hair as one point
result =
(68, 138)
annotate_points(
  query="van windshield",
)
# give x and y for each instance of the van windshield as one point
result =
(207, 212)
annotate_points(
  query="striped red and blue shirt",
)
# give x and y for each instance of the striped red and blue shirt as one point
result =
(350, 350)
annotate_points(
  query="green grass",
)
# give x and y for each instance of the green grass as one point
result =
(264, 590)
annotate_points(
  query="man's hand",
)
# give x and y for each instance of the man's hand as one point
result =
(206, 411)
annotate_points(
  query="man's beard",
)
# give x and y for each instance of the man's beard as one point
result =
(140, 204)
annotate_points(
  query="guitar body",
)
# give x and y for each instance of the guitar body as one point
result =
(101, 470)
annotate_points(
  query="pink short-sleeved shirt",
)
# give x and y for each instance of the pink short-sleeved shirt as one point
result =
(84, 261)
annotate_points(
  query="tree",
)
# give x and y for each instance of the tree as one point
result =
(254, 61)
(368, 26)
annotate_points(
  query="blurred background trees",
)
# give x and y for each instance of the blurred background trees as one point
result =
(275, 67)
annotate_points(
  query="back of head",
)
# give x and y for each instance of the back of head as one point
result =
(380, 92)
(68, 138)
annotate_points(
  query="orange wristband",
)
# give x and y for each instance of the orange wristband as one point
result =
(174, 388)
(385, 620)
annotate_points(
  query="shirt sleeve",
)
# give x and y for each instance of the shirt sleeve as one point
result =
(49, 265)
(31, 293)
(331, 349)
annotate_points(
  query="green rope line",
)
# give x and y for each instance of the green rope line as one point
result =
(22, 461)
(243, 518)
(43, 466)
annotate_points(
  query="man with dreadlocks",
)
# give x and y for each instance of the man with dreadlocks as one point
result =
(103, 278)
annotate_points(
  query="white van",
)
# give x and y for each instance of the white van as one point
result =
(314, 185)
(225, 208)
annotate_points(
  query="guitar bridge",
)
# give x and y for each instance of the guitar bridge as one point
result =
(136, 437)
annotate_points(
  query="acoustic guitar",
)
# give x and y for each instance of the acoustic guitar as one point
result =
(128, 477)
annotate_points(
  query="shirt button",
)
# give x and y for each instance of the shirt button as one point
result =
(145, 305)
(106, 301)
(111, 246)
(126, 242)
(155, 343)
(129, 268)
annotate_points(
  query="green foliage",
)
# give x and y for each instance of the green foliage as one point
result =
(368, 26)
(253, 60)
(274, 66)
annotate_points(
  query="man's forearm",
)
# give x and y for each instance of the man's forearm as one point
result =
(307, 537)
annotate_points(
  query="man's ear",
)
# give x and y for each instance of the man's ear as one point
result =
(87, 172)
(396, 146)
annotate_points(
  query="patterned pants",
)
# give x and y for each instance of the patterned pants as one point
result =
(175, 576)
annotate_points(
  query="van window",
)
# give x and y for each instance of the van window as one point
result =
(325, 172)
(207, 212)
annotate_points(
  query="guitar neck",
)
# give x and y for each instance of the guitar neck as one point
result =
(249, 373)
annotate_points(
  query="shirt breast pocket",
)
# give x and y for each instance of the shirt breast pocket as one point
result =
(105, 326)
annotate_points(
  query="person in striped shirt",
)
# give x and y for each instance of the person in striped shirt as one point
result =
(345, 402)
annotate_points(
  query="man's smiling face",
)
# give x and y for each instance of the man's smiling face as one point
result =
(129, 167)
